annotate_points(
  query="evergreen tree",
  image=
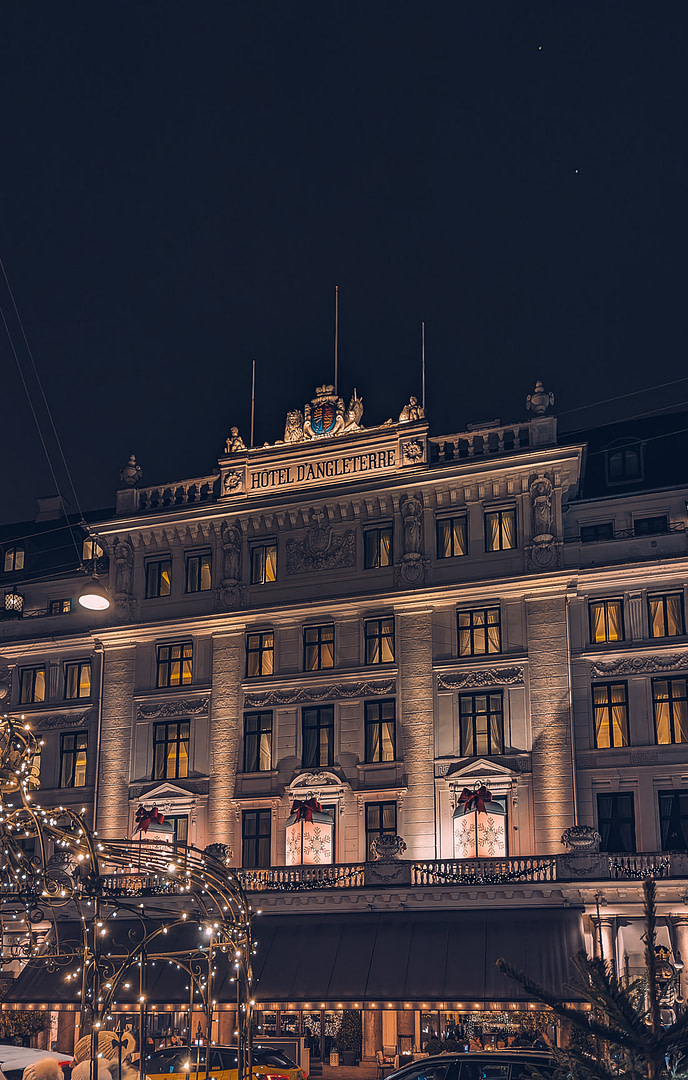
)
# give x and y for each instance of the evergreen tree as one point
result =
(622, 1037)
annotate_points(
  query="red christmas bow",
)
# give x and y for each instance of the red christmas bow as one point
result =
(305, 809)
(145, 817)
(475, 800)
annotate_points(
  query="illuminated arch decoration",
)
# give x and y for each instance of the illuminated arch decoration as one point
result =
(204, 920)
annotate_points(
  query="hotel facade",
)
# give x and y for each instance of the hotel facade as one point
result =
(322, 652)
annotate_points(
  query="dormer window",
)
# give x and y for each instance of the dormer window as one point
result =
(14, 559)
(624, 462)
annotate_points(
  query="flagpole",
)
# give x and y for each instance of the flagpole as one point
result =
(336, 334)
(422, 362)
(253, 398)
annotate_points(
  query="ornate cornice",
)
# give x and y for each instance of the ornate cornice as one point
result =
(496, 676)
(176, 707)
(319, 693)
(638, 665)
(63, 720)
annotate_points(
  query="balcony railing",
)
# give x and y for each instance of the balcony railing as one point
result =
(483, 871)
(424, 873)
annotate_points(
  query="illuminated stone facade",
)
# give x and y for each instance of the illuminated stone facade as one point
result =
(380, 618)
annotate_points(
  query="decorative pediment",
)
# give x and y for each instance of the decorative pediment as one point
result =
(165, 793)
(324, 785)
(499, 779)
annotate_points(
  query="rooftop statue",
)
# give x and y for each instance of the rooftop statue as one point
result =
(412, 411)
(234, 443)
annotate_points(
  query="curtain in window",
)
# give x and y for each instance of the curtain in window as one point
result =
(599, 627)
(493, 642)
(614, 622)
(385, 547)
(496, 728)
(673, 817)
(467, 743)
(508, 529)
(265, 752)
(459, 530)
(387, 732)
(656, 618)
(373, 650)
(271, 563)
(619, 716)
(681, 721)
(674, 616)
(310, 745)
(492, 526)
(373, 747)
(663, 721)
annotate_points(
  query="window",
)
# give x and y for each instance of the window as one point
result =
(377, 545)
(670, 702)
(60, 607)
(73, 752)
(479, 632)
(175, 664)
(610, 708)
(380, 730)
(592, 534)
(264, 562)
(606, 621)
(500, 530)
(260, 654)
(198, 575)
(14, 559)
(666, 615)
(255, 838)
(257, 741)
(651, 526)
(673, 820)
(481, 719)
(616, 821)
(318, 647)
(624, 463)
(31, 685)
(380, 820)
(180, 824)
(171, 750)
(158, 577)
(452, 537)
(78, 679)
(318, 736)
(379, 640)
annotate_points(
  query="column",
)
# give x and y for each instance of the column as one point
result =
(225, 737)
(604, 937)
(372, 1033)
(549, 691)
(116, 726)
(416, 732)
(679, 925)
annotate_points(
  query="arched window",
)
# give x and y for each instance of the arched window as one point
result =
(624, 461)
(14, 559)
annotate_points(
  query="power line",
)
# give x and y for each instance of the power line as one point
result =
(620, 397)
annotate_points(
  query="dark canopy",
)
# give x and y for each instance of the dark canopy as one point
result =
(367, 956)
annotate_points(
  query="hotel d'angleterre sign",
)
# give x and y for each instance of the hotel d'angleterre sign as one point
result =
(311, 453)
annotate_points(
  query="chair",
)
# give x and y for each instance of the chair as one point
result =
(385, 1059)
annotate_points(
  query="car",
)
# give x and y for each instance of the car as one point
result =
(478, 1065)
(14, 1059)
(188, 1063)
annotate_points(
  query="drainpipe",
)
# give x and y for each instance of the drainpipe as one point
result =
(571, 726)
(100, 652)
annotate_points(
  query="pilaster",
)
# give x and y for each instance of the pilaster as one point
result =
(550, 717)
(225, 735)
(115, 741)
(416, 732)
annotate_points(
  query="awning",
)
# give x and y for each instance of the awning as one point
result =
(370, 956)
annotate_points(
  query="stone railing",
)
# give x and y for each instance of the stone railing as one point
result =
(483, 871)
(423, 873)
(489, 440)
(298, 878)
(202, 489)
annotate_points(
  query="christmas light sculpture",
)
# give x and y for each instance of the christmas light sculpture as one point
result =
(72, 875)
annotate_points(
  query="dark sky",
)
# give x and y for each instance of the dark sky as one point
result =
(184, 184)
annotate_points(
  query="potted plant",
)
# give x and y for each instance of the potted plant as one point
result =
(349, 1037)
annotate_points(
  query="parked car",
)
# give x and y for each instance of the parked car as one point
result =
(14, 1059)
(188, 1063)
(477, 1065)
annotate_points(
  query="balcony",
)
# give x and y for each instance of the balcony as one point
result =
(425, 873)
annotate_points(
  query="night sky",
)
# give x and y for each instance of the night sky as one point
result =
(184, 184)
